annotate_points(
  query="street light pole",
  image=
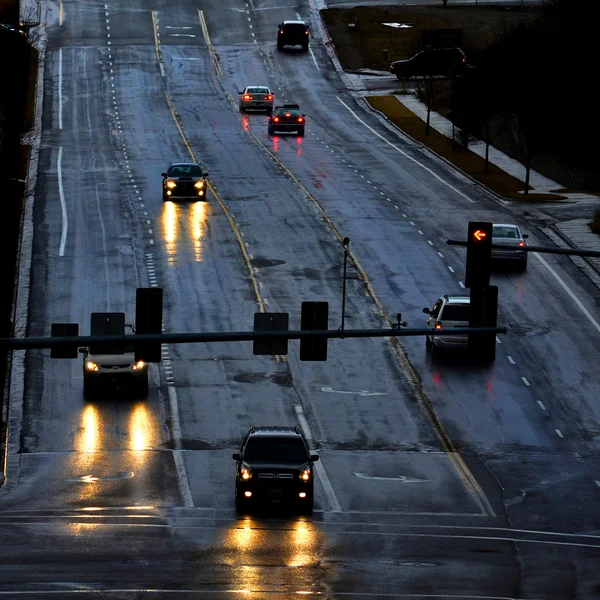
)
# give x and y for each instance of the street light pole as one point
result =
(346, 244)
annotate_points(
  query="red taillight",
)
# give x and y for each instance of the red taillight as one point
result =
(269, 97)
(521, 244)
(464, 60)
(306, 32)
(288, 114)
(281, 31)
(300, 120)
(276, 119)
(438, 325)
(247, 97)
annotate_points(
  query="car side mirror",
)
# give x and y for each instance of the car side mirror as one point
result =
(235, 456)
(163, 174)
(314, 457)
(205, 175)
(280, 25)
(525, 236)
(81, 350)
(427, 311)
(240, 92)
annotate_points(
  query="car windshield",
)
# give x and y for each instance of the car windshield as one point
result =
(275, 449)
(505, 232)
(185, 170)
(456, 312)
(258, 90)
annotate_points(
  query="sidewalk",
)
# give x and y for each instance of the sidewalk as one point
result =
(568, 218)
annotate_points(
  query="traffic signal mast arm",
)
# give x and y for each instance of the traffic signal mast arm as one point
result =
(540, 249)
(233, 336)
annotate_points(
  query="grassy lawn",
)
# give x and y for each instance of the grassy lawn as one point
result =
(372, 45)
(363, 47)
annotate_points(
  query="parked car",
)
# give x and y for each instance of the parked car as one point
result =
(448, 62)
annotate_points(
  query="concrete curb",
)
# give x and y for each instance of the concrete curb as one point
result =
(15, 388)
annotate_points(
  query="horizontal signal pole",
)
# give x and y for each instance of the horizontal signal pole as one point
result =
(540, 249)
(233, 336)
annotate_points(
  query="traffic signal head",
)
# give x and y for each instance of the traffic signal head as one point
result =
(479, 254)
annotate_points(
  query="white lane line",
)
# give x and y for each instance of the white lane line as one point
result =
(407, 155)
(60, 98)
(597, 482)
(182, 480)
(314, 58)
(462, 285)
(568, 290)
(450, 269)
(420, 232)
(162, 70)
(510, 360)
(498, 340)
(440, 255)
(63, 205)
(428, 241)
(559, 433)
(327, 487)
(525, 381)
(541, 405)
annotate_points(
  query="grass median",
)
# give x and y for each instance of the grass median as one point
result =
(464, 159)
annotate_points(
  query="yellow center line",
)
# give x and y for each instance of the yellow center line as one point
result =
(155, 29)
(211, 48)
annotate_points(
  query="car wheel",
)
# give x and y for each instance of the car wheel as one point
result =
(270, 131)
(269, 112)
(305, 47)
(165, 197)
(523, 266)
(427, 343)
(279, 46)
(301, 132)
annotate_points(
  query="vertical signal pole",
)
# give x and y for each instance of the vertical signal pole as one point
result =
(346, 244)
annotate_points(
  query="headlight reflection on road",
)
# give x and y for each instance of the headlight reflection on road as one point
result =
(197, 223)
(303, 545)
(140, 428)
(89, 430)
(170, 217)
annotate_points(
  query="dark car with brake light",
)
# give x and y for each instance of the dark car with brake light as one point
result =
(287, 119)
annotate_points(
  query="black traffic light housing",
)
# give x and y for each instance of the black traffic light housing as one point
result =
(148, 319)
(314, 317)
(479, 254)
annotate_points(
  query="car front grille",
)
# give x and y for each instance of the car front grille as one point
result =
(276, 476)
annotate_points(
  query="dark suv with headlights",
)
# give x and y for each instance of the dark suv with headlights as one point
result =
(184, 180)
(274, 464)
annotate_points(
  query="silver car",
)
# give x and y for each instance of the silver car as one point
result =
(451, 310)
(513, 242)
(256, 97)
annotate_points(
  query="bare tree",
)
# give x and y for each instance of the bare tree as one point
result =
(521, 140)
(430, 90)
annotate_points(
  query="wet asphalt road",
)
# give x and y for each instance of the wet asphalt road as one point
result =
(135, 496)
